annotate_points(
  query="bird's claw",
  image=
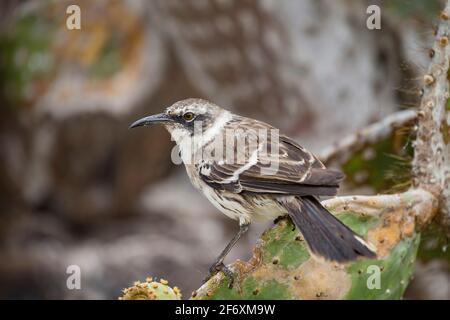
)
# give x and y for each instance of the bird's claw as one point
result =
(216, 268)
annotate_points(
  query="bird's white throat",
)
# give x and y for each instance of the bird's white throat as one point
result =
(189, 144)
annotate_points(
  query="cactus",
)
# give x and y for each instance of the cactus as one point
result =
(151, 290)
(286, 271)
(282, 268)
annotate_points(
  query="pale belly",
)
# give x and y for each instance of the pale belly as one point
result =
(246, 208)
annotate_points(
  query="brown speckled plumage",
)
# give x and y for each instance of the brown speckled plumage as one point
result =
(252, 176)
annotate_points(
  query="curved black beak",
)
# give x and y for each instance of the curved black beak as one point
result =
(156, 118)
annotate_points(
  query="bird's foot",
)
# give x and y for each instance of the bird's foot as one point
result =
(221, 267)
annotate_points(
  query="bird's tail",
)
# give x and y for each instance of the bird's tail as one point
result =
(326, 236)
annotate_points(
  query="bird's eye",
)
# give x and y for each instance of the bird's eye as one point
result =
(188, 116)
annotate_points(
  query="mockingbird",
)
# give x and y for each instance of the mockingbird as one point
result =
(250, 172)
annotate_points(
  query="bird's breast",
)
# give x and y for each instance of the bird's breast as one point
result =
(242, 207)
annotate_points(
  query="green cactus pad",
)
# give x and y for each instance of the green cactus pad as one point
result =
(281, 268)
(395, 272)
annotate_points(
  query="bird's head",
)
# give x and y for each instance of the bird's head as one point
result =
(184, 117)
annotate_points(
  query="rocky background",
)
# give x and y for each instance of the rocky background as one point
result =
(76, 187)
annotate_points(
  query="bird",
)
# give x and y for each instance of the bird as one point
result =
(251, 172)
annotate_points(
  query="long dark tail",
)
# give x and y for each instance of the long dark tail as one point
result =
(325, 235)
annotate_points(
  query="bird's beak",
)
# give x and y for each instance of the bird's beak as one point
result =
(156, 118)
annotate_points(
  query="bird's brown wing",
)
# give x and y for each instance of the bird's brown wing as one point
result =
(285, 168)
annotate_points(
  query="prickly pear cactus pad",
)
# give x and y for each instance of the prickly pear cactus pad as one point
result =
(151, 290)
(282, 268)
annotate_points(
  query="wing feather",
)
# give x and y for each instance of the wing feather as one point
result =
(291, 170)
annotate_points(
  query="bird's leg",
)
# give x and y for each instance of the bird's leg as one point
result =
(219, 265)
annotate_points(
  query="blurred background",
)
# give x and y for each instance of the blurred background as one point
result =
(78, 188)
